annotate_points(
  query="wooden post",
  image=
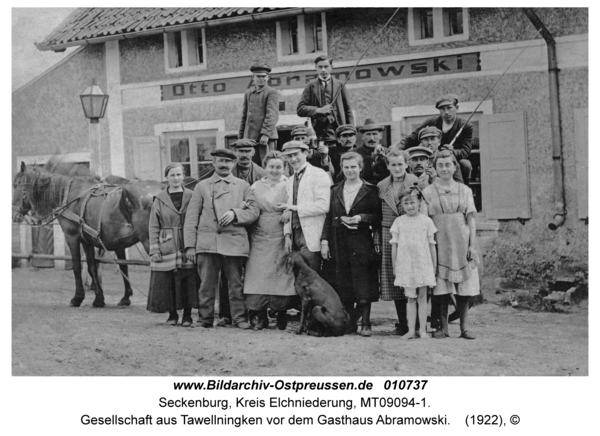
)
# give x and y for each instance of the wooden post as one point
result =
(96, 154)
(25, 242)
(59, 245)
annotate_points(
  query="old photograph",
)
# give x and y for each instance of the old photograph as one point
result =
(300, 191)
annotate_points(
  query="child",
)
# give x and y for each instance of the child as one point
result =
(389, 192)
(414, 258)
(174, 279)
(451, 207)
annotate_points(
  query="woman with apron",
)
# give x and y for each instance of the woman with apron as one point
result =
(451, 207)
(266, 285)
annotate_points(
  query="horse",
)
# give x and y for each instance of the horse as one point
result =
(121, 218)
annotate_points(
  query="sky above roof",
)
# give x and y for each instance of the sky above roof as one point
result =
(30, 25)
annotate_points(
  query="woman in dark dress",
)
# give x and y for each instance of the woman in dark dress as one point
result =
(174, 280)
(354, 213)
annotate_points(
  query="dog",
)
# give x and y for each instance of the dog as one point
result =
(322, 311)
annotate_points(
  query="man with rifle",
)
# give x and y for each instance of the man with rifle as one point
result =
(325, 101)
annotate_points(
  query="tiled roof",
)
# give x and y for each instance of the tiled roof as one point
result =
(88, 23)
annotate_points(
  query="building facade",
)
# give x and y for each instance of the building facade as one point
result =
(176, 79)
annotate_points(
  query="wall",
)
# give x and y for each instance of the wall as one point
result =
(47, 115)
(350, 31)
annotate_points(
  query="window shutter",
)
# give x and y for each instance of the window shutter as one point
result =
(504, 166)
(581, 161)
(147, 158)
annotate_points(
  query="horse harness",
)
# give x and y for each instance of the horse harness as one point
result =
(98, 190)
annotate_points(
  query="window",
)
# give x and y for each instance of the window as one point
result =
(437, 25)
(192, 149)
(185, 50)
(301, 37)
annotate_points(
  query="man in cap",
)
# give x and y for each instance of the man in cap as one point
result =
(346, 140)
(372, 152)
(250, 172)
(449, 124)
(308, 195)
(245, 169)
(430, 138)
(215, 237)
(260, 112)
(420, 165)
(317, 102)
(318, 152)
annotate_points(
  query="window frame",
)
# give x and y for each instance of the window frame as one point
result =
(185, 51)
(191, 136)
(440, 20)
(302, 55)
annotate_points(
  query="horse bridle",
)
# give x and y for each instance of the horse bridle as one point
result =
(20, 209)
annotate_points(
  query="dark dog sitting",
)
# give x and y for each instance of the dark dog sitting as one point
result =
(322, 311)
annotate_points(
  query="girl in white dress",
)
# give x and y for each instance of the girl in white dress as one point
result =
(414, 258)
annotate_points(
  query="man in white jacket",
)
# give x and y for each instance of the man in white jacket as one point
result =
(308, 194)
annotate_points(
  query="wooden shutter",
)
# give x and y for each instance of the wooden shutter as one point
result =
(147, 158)
(504, 166)
(581, 161)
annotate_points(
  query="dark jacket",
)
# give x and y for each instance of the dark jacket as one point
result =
(374, 166)
(311, 101)
(353, 250)
(260, 114)
(462, 145)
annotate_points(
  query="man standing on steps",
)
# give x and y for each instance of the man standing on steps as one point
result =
(260, 113)
(317, 102)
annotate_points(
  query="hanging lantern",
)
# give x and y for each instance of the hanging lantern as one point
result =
(94, 102)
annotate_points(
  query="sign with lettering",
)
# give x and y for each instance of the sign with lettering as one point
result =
(452, 64)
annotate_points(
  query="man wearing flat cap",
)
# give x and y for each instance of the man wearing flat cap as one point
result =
(325, 101)
(345, 136)
(215, 236)
(430, 138)
(260, 112)
(244, 169)
(449, 124)
(308, 195)
(318, 155)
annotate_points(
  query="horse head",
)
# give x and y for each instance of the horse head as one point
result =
(20, 201)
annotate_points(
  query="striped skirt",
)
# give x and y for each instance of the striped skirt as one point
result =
(389, 292)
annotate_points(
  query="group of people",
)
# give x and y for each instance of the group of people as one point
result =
(394, 223)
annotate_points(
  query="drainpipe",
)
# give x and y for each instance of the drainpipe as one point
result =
(559, 186)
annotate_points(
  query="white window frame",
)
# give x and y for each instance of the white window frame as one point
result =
(438, 28)
(184, 128)
(184, 52)
(301, 55)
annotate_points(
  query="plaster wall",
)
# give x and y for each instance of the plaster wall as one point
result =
(349, 32)
(47, 116)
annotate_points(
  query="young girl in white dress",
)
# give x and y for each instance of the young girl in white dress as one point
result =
(414, 259)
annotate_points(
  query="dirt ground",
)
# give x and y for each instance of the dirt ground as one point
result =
(50, 338)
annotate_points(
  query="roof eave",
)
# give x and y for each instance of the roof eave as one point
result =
(286, 13)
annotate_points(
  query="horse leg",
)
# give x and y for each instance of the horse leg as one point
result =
(90, 255)
(74, 246)
(128, 292)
